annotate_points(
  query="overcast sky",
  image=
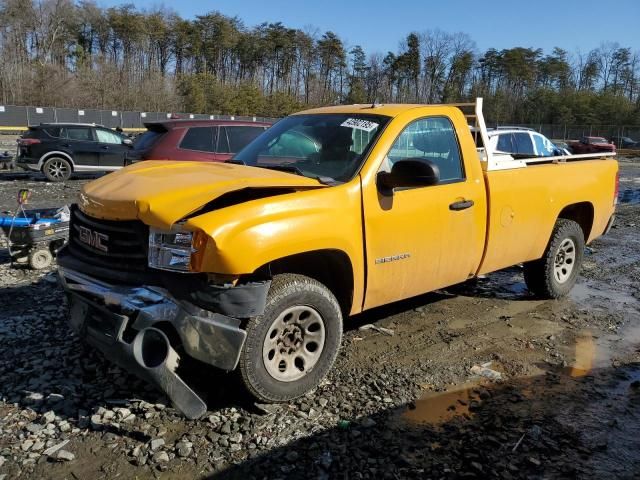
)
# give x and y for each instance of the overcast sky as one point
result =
(380, 25)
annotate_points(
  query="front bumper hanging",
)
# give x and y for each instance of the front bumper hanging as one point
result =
(121, 322)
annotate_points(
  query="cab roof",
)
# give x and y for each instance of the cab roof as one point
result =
(390, 110)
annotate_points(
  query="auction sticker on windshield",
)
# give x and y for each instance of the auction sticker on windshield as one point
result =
(359, 124)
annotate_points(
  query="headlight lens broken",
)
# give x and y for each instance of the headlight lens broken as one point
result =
(170, 250)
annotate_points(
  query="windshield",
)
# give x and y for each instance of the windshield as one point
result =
(330, 147)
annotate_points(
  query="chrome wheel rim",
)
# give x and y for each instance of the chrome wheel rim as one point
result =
(294, 343)
(57, 169)
(565, 260)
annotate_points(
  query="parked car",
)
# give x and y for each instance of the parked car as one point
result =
(255, 264)
(591, 145)
(522, 142)
(200, 140)
(625, 142)
(563, 147)
(60, 149)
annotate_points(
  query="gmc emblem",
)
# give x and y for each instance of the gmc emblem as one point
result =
(93, 239)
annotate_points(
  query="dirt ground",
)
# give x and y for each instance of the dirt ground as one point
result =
(407, 405)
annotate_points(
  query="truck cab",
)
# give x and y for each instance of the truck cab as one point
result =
(254, 264)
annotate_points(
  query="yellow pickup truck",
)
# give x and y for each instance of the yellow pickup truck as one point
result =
(253, 264)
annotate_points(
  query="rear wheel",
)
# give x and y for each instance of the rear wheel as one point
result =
(291, 347)
(57, 169)
(39, 259)
(555, 274)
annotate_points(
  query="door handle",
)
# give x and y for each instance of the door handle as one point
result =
(105, 148)
(462, 205)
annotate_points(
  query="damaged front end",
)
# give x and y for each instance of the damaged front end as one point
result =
(133, 274)
(141, 329)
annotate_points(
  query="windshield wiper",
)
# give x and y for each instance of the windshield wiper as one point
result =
(293, 169)
(283, 168)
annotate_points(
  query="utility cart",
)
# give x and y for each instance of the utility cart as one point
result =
(34, 236)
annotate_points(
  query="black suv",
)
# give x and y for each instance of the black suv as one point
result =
(625, 142)
(59, 149)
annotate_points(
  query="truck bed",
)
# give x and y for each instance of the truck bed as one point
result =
(523, 204)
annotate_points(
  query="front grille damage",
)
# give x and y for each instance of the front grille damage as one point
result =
(118, 245)
(127, 309)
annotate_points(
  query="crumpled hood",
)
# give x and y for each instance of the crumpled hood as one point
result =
(160, 193)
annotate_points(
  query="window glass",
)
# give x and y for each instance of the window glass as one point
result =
(78, 133)
(293, 144)
(198, 138)
(147, 140)
(524, 145)
(223, 141)
(431, 139)
(240, 137)
(53, 131)
(327, 146)
(544, 147)
(505, 143)
(105, 136)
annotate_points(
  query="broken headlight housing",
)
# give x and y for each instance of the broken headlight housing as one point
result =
(170, 250)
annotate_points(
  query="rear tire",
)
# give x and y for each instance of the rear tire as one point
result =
(292, 346)
(39, 259)
(555, 274)
(57, 169)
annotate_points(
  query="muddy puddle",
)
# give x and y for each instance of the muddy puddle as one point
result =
(591, 354)
(439, 407)
(507, 284)
(597, 397)
(464, 400)
(601, 297)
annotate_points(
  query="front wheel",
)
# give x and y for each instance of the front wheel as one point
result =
(291, 347)
(555, 274)
(57, 169)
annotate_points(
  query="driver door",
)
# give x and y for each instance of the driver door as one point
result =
(419, 239)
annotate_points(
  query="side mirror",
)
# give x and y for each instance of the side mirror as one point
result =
(127, 141)
(410, 172)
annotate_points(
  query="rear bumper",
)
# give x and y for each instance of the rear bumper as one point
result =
(27, 163)
(129, 325)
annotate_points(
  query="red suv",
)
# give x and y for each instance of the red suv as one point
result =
(198, 140)
(592, 145)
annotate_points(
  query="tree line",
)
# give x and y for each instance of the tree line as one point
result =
(76, 54)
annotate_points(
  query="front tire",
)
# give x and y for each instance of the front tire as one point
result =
(57, 169)
(555, 274)
(292, 346)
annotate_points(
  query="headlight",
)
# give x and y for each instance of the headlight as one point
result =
(170, 250)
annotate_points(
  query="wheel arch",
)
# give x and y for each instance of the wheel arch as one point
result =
(582, 213)
(331, 267)
(56, 153)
